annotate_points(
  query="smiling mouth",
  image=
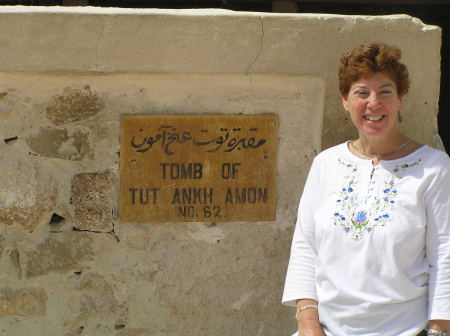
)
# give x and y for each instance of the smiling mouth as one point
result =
(373, 118)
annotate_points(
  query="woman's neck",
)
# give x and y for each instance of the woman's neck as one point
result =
(389, 147)
(380, 145)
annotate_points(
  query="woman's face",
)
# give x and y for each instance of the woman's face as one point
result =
(373, 104)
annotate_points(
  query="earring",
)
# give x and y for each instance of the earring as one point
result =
(399, 117)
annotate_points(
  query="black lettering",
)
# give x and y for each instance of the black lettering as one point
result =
(186, 173)
(145, 194)
(198, 170)
(186, 211)
(192, 196)
(133, 195)
(230, 170)
(186, 193)
(176, 196)
(251, 195)
(196, 195)
(164, 165)
(229, 196)
(262, 195)
(182, 211)
(174, 171)
(154, 191)
(208, 195)
(226, 171)
(191, 211)
(182, 171)
(241, 197)
(217, 208)
(206, 211)
(246, 195)
(235, 169)
(141, 196)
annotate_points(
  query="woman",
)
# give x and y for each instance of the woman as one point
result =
(371, 249)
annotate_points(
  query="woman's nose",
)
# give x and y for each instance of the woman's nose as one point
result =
(373, 100)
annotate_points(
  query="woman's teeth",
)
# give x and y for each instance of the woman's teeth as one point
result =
(373, 118)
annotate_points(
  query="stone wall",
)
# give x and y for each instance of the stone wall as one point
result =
(69, 265)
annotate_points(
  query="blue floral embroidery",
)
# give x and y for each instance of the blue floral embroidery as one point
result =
(354, 215)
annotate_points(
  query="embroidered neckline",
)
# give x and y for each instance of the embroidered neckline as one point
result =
(368, 161)
(358, 216)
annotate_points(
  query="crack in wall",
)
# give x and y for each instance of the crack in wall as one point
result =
(112, 232)
(260, 48)
(15, 260)
(9, 141)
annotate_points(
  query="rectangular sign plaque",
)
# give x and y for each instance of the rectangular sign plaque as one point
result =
(198, 168)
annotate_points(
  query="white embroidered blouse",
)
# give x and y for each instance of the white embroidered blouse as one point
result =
(372, 243)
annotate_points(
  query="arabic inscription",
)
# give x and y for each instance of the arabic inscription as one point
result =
(198, 168)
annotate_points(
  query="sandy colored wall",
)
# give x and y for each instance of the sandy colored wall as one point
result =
(66, 77)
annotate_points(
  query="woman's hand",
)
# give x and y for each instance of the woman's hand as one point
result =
(308, 320)
(443, 325)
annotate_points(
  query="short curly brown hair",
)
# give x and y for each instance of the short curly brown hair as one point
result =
(366, 60)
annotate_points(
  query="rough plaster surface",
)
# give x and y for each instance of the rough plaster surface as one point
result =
(70, 267)
(221, 41)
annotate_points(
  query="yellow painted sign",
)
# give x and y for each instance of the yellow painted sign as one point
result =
(198, 168)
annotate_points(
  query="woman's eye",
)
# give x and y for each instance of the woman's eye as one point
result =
(361, 93)
(386, 92)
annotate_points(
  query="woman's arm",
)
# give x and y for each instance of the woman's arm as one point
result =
(438, 245)
(308, 320)
(300, 277)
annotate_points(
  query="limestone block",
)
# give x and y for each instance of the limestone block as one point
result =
(22, 302)
(220, 41)
(74, 105)
(27, 190)
(61, 252)
(92, 198)
(57, 143)
(94, 299)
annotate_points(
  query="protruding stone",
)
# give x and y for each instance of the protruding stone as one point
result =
(95, 299)
(22, 302)
(60, 253)
(27, 193)
(57, 143)
(74, 105)
(92, 198)
(75, 325)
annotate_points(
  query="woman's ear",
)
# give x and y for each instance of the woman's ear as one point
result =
(344, 102)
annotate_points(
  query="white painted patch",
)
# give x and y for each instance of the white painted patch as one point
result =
(208, 234)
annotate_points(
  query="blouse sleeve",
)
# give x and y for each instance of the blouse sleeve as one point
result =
(438, 244)
(300, 278)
